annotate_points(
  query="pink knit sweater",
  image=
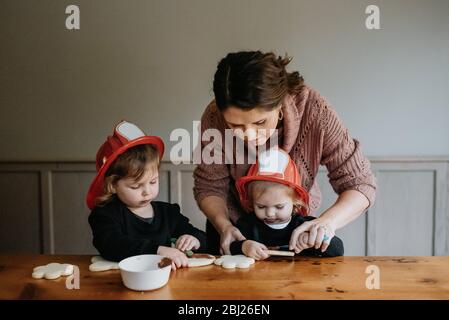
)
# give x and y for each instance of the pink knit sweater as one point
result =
(313, 135)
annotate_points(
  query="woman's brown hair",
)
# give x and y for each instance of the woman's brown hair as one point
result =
(249, 79)
(133, 163)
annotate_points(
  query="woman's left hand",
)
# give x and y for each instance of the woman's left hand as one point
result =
(320, 232)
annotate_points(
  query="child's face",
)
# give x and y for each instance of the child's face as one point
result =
(138, 194)
(274, 206)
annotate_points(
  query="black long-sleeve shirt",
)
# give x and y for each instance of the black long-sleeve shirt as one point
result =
(254, 229)
(118, 233)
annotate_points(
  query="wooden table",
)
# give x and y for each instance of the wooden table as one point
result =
(280, 278)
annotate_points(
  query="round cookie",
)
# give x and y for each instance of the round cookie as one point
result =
(200, 260)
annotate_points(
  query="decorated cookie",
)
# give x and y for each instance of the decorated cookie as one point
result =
(52, 271)
(199, 260)
(238, 261)
(100, 264)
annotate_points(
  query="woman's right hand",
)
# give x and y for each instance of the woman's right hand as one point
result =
(179, 259)
(227, 236)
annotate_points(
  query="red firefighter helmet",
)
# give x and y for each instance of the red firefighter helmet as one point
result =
(126, 135)
(272, 165)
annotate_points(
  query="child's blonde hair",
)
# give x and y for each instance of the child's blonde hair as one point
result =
(258, 188)
(133, 163)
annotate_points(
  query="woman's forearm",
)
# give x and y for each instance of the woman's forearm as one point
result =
(216, 211)
(349, 205)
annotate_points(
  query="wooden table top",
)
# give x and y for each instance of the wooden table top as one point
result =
(280, 278)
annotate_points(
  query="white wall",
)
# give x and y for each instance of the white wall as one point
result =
(152, 62)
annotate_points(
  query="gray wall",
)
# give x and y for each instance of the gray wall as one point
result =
(152, 62)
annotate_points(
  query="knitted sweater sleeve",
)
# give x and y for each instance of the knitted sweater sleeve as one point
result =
(342, 155)
(211, 179)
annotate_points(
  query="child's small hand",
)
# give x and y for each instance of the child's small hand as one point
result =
(187, 242)
(302, 243)
(179, 258)
(255, 250)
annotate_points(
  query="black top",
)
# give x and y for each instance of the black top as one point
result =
(254, 229)
(118, 233)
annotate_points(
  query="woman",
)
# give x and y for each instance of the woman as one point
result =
(255, 94)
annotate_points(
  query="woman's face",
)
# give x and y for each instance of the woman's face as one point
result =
(254, 126)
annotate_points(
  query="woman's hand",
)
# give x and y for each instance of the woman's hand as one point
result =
(187, 242)
(179, 259)
(302, 243)
(320, 234)
(216, 211)
(255, 250)
(228, 235)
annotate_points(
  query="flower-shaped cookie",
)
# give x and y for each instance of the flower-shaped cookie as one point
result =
(52, 271)
(238, 261)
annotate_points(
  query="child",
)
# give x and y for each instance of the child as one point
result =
(125, 220)
(272, 192)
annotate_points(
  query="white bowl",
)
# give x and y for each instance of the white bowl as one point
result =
(142, 272)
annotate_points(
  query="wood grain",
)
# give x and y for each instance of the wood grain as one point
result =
(276, 278)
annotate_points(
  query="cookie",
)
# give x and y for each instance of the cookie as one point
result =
(200, 260)
(99, 264)
(238, 261)
(52, 271)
